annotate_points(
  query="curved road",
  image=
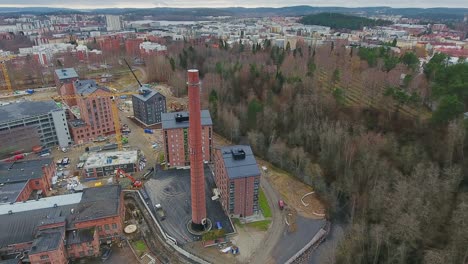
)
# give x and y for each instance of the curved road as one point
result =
(263, 253)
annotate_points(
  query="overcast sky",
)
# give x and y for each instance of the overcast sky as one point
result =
(226, 3)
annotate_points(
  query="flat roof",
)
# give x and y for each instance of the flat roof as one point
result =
(239, 161)
(20, 171)
(66, 73)
(43, 203)
(146, 94)
(21, 110)
(169, 119)
(102, 159)
(10, 192)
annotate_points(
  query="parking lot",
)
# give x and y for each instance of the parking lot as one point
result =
(171, 189)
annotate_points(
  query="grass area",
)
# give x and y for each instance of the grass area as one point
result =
(261, 225)
(236, 222)
(140, 247)
(263, 203)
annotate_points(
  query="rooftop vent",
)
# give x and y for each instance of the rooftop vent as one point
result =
(10, 212)
(181, 118)
(238, 154)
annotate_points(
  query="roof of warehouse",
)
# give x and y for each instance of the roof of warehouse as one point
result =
(239, 168)
(147, 93)
(66, 73)
(20, 225)
(25, 109)
(24, 170)
(169, 120)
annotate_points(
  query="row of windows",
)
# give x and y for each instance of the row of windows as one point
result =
(107, 227)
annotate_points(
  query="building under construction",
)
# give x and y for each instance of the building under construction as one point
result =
(102, 164)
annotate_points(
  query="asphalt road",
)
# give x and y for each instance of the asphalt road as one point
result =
(277, 228)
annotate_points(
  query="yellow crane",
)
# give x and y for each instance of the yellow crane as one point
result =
(114, 108)
(6, 76)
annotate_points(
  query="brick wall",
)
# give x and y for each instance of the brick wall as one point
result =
(174, 146)
(57, 256)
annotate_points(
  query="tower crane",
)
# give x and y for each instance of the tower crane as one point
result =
(6, 76)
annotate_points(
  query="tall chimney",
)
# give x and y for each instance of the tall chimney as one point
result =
(197, 176)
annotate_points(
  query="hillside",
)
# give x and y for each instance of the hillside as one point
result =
(341, 21)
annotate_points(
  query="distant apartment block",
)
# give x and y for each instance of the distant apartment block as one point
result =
(44, 120)
(95, 118)
(151, 48)
(148, 106)
(61, 229)
(25, 180)
(113, 23)
(175, 128)
(237, 177)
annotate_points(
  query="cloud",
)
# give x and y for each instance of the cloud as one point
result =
(225, 3)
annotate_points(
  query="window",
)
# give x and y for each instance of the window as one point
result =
(44, 256)
(90, 252)
(99, 228)
(106, 226)
(114, 226)
(36, 182)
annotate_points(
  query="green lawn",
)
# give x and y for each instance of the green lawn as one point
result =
(261, 225)
(263, 203)
(140, 247)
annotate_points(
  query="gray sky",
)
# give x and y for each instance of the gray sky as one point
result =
(226, 3)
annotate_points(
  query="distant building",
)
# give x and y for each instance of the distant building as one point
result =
(62, 228)
(95, 118)
(237, 177)
(175, 128)
(104, 164)
(151, 48)
(25, 180)
(113, 23)
(45, 120)
(148, 106)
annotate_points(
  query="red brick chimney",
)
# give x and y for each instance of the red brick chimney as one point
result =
(197, 176)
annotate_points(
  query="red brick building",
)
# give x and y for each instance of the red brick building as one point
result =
(25, 180)
(237, 177)
(96, 117)
(175, 128)
(64, 79)
(73, 227)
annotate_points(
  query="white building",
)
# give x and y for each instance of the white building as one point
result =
(113, 23)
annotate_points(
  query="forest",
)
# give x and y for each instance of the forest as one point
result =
(346, 123)
(341, 21)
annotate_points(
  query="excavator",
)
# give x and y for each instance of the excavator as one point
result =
(119, 173)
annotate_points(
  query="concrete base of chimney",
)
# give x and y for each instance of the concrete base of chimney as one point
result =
(199, 229)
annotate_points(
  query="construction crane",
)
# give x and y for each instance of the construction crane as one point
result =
(114, 109)
(6, 76)
(134, 75)
(119, 173)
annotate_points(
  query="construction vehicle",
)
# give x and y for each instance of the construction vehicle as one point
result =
(160, 212)
(119, 173)
(176, 107)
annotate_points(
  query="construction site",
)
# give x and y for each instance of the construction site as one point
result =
(97, 138)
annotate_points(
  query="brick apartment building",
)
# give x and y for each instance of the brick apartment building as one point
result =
(237, 177)
(24, 180)
(95, 117)
(64, 79)
(148, 106)
(175, 128)
(62, 228)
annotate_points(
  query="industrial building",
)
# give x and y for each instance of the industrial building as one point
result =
(25, 124)
(62, 228)
(24, 180)
(237, 177)
(175, 128)
(103, 164)
(95, 118)
(148, 106)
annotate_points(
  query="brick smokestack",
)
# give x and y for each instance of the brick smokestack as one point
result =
(197, 176)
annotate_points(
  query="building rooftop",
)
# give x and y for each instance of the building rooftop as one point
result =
(20, 171)
(97, 160)
(11, 261)
(181, 119)
(146, 94)
(47, 240)
(66, 73)
(84, 87)
(80, 236)
(25, 109)
(77, 123)
(20, 225)
(239, 161)
(10, 192)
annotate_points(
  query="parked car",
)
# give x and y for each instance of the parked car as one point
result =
(106, 253)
